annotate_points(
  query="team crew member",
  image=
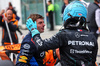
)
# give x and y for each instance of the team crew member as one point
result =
(12, 24)
(29, 55)
(50, 14)
(78, 46)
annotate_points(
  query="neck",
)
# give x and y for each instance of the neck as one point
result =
(66, 3)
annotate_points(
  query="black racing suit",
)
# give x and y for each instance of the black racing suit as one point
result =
(78, 47)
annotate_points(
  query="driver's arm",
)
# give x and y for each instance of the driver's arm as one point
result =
(47, 44)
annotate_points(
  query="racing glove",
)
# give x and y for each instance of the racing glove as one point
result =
(32, 26)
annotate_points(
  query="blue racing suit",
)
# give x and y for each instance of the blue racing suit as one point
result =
(29, 56)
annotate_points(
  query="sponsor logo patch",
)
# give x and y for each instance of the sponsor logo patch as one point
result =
(26, 46)
(21, 60)
(80, 14)
(77, 35)
(23, 57)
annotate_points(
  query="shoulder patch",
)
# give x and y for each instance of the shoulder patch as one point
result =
(23, 57)
(26, 46)
(21, 60)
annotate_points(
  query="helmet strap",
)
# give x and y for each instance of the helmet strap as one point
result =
(73, 22)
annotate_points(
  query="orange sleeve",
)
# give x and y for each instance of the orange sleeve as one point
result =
(49, 58)
(16, 23)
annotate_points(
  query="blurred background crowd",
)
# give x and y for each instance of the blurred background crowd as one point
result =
(24, 8)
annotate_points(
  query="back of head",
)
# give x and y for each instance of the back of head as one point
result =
(74, 14)
(49, 1)
(34, 17)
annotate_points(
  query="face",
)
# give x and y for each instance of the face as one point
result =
(10, 7)
(40, 25)
(66, 1)
(48, 3)
(9, 14)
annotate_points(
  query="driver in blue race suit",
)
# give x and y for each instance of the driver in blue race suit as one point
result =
(29, 55)
(77, 45)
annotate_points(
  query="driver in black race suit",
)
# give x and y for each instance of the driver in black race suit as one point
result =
(78, 46)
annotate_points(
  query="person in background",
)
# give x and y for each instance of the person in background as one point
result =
(50, 14)
(12, 24)
(12, 8)
(66, 2)
(92, 17)
(97, 15)
(86, 4)
(16, 16)
(78, 46)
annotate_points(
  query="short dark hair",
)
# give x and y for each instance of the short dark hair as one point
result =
(97, 1)
(34, 17)
(10, 4)
(49, 1)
